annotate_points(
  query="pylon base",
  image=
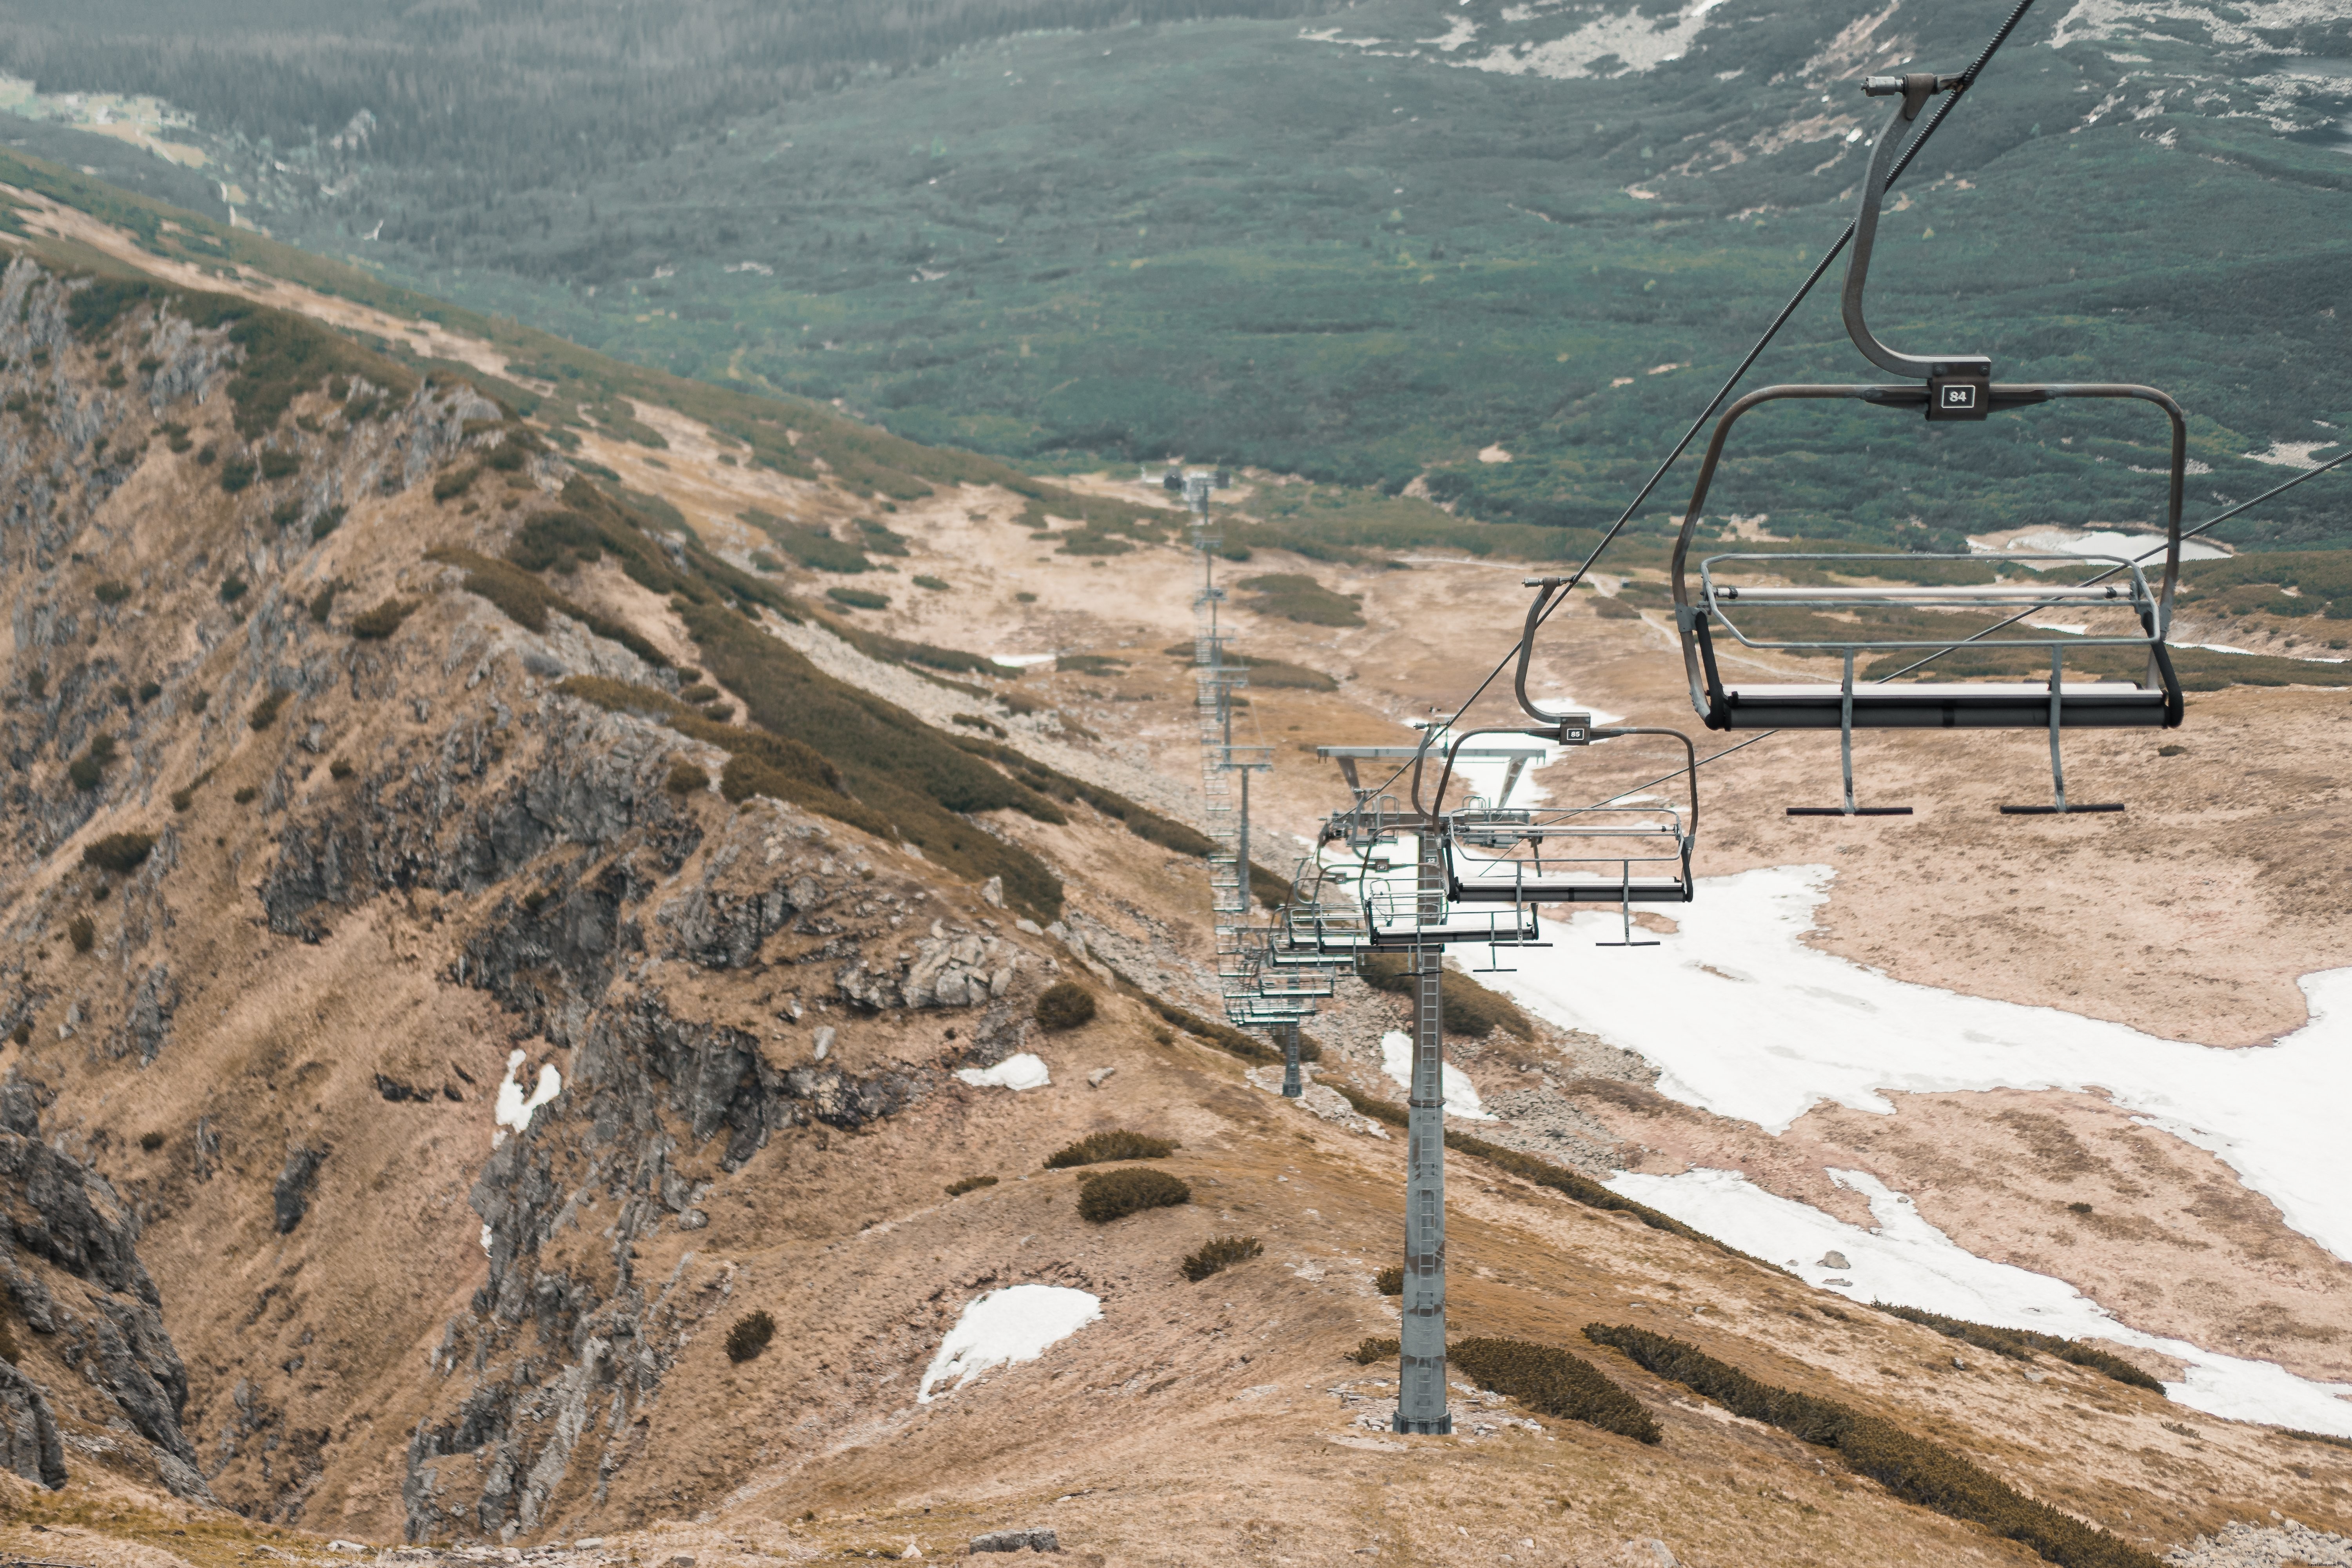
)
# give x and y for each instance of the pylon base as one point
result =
(1440, 1427)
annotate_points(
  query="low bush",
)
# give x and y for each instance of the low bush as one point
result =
(339, 769)
(374, 626)
(455, 482)
(969, 1184)
(232, 589)
(149, 690)
(326, 522)
(323, 603)
(1373, 1349)
(812, 547)
(1101, 1148)
(111, 591)
(936, 584)
(88, 770)
(1218, 1254)
(2018, 1344)
(81, 932)
(1097, 664)
(244, 795)
(526, 601)
(1470, 1009)
(694, 696)
(1066, 1004)
(1132, 1189)
(749, 1336)
(1551, 1381)
(686, 778)
(1389, 1281)
(1295, 597)
(235, 472)
(859, 599)
(276, 464)
(265, 712)
(1911, 1468)
(119, 852)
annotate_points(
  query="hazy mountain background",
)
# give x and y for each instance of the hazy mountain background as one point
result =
(1363, 244)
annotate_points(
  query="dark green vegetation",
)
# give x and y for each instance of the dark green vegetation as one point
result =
(1372, 1349)
(373, 624)
(1274, 672)
(1218, 1254)
(1389, 1281)
(1131, 1189)
(1295, 597)
(88, 770)
(265, 712)
(1224, 1036)
(969, 1184)
(1363, 265)
(82, 931)
(1550, 1382)
(1101, 1148)
(1066, 1004)
(2018, 1344)
(1911, 1468)
(685, 778)
(1470, 1009)
(751, 1336)
(119, 852)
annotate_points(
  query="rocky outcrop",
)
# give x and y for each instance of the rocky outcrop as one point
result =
(75, 1281)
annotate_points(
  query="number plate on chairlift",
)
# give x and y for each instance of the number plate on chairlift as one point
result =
(1959, 397)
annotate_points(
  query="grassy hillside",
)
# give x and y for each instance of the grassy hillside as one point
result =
(1357, 260)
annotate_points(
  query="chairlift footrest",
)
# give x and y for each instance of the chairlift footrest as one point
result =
(1624, 945)
(1857, 811)
(2058, 810)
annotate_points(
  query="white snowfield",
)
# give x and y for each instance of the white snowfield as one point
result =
(1014, 1324)
(1018, 1071)
(514, 1109)
(1743, 1019)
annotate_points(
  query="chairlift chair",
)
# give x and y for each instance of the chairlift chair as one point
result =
(1947, 387)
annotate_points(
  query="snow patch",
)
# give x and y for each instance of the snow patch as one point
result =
(515, 1108)
(1019, 661)
(1018, 1071)
(1014, 1324)
(2079, 542)
(1461, 1095)
(1906, 1261)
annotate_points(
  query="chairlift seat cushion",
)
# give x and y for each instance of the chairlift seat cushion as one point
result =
(1946, 705)
(1501, 888)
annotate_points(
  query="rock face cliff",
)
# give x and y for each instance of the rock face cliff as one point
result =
(415, 1003)
(83, 1336)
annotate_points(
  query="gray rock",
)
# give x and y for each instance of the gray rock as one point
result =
(1017, 1541)
(292, 1193)
(28, 1432)
(1832, 1260)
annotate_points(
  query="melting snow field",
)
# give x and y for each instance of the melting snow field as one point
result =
(1016, 1323)
(1805, 1026)
(1018, 1071)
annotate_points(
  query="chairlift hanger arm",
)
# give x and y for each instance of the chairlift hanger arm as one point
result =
(1916, 89)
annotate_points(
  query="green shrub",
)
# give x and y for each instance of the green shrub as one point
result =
(235, 472)
(244, 795)
(232, 589)
(880, 539)
(1066, 1004)
(1470, 1009)
(1219, 1253)
(111, 591)
(526, 601)
(90, 769)
(81, 932)
(119, 852)
(376, 625)
(1101, 1148)
(1295, 597)
(276, 464)
(859, 599)
(265, 712)
(326, 522)
(686, 778)
(1372, 1349)
(1131, 1189)
(1911, 1468)
(23, 1035)
(969, 1184)
(812, 547)
(1097, 664)
(1024, 597)
(1224, 1036)
(149, 690)
(1389, 1281)
(2018, 1344)
(1550, 1382)
(936, 584)
(698, 693)
(323, 603)
(455, 482)
(339, 769)
(749, 1336)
